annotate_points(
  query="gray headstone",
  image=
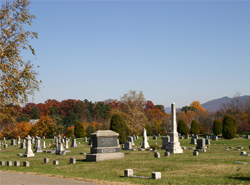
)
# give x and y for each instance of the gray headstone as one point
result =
(66, 144)
(38, 145)
(13, 142)
(215, 138)
(18, 140)
(131, 139)
(193, 141)
(127, 146)
(165, 141)
(201, 144)
(207, 141)
(73, 144)
(186, 136)
(105, 146)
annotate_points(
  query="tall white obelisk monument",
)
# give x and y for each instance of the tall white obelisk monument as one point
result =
(174, 144)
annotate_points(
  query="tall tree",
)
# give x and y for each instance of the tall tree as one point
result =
(118, 125)
(195, 127)
(34, 113)
(217, 127)
(133, 112)
(182, 127)
(229, 127)
(79, 130)
(18, 77)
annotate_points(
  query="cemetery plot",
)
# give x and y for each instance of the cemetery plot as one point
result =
(215, 166)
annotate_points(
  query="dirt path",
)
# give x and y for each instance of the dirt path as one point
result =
(10, 178)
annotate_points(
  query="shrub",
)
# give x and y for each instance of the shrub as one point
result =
(217, 127)
(182, 127)
(79, 129)
(229, 127)
(195, 127)
(148, 127)
(70, 132)
(117, 124)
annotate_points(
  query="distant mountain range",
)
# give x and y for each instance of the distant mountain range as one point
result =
(216, 104)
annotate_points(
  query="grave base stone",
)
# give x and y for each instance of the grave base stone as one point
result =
(46, 160)
(55, 162)
(26, 163)
(9, 163)
(157, 155)
(17, 163)
(128, 173)
(156, 175)
(72, 161)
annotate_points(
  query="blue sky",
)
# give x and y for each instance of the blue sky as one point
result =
(171, 51)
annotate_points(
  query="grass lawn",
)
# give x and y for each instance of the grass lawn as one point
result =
(216, 166)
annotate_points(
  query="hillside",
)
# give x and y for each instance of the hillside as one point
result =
(216, 104)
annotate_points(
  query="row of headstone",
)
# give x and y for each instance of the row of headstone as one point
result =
(16, 163)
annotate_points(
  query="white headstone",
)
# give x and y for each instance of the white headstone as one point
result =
(28, 152)
(145, 139)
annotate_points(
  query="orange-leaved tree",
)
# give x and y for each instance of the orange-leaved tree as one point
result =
(44, 127)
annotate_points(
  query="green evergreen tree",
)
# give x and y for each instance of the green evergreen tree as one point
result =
(117, 124)
(90, 130)
(79, 130)
(23, 117)
(217, 127)
(195, 127)
(229, 129)
(182, 127)
(34, 113)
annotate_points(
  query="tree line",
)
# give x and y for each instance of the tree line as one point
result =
(133, 110)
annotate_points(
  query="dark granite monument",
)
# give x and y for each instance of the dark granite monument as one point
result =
(105, 146)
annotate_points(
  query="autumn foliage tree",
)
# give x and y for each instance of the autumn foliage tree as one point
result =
(44, 127)
(70, 132)
(133, 112)
(18, 77)
(79, 130)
